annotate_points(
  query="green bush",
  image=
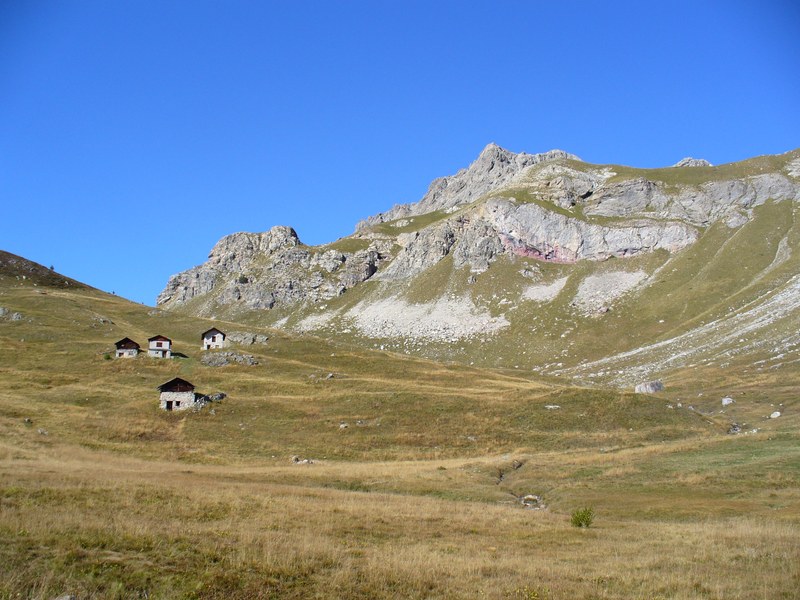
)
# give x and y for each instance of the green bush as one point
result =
(582, 517)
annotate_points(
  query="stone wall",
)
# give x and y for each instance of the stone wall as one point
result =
(177, 400)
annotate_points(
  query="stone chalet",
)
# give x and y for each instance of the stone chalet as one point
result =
(160, 347)
(213, 338)
(126, 348)
(177, 394)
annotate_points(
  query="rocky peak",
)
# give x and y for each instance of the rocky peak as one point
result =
(234, 252)
(692, 162)
(494, 168)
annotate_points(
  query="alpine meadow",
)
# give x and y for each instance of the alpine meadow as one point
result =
(546, 379)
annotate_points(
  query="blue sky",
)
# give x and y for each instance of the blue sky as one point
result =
(135, 134)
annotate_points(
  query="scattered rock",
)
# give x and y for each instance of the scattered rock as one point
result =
(343, 425)
(532, 501)
(302, 461)
(201, 401)
(727, 401)
(221, 359)
(27, 420)
(734, 429)
(11, 316)
(329, 376)
(552, 406)
(66, 597)
(650, 387)
(775, 415)
(42, 431)
(246, 338)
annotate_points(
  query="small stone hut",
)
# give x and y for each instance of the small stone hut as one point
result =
(177, 394)
(126, 348)
(159, 347)
(213, 338)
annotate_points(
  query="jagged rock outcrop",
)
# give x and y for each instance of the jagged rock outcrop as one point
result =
(257, 270)
(494, 168)
(563, 186)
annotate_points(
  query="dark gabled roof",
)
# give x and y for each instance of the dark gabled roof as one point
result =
(176, 385)
(126, 343)
(202, 335)
(159, 337)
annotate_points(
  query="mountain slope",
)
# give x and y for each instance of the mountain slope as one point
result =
(604, 273)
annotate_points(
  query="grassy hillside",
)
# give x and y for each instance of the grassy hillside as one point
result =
(414, 489)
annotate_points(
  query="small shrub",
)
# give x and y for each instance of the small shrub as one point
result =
(582, 517)
(243, 279)
(529, 593)
(106, 356)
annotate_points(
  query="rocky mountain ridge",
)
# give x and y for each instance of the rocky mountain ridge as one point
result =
(509, 231)
(494, 168)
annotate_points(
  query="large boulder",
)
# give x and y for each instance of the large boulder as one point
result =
(650, 387)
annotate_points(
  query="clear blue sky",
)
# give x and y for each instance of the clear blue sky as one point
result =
(134, 134)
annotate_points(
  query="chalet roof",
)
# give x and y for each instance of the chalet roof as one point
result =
(176, 385)
(159, 337)
(126, 343)
(212, 331)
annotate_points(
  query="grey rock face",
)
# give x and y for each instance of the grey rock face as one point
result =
(501, 225)
(530, 230)
(698, 205)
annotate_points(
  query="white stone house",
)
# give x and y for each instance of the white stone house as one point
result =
(126, 348)
(213, 338)
(159, 347)
(177, 394)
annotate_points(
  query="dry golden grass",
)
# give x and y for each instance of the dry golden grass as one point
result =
(134, 526)
(416, 498)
